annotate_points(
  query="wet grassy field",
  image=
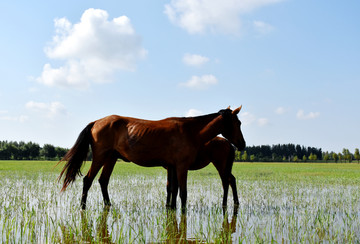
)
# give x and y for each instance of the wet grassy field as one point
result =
(280, 203)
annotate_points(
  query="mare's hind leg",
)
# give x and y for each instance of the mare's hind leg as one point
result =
(104, 179)
(88, 179)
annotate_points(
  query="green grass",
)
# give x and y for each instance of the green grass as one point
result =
(279, 202)
(346, 173)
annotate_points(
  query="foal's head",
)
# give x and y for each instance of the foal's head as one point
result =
(231, 130)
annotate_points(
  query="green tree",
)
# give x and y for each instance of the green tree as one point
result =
(48, 152)
(335, 157)
(60, 152)
(312, 157)
(237, 156)
(304, 158)
(34, 150)
(357, 154)
(347, 155)
(326, 157)
(252, 157)
(296, 159)
(244, 157)
(5, 152)
(340, 156)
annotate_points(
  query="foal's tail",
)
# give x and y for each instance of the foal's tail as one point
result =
(76, 156)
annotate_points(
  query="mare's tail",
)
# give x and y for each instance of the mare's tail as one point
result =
(76, 156)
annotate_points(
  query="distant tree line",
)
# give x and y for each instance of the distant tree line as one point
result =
(12, 150)
(30, 151)
(293, 153)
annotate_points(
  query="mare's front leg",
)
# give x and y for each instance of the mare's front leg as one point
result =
(168, 188)
(182, 181)
(172, 188)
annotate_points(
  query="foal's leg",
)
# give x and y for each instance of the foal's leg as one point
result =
(88, 179)
(234, 190)
(224, 175)
(225, 183)
(104, 179)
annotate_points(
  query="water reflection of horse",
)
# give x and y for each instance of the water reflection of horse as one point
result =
(172, 142)
(221, 153)
(102, 232)
(177, 233)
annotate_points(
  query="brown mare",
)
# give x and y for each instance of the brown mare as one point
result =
(172, 142)
(221, 153)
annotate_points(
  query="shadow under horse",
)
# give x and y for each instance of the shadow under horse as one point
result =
(173, 142)
(177, 233)
(102, 232)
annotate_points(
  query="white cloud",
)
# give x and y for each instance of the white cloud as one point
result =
(198, 16)
(194, 59)
(280, 110)
(247, 118)
(262, 28)
(193, 112)
(263, 121)
(312, 115)
(92, 50)
(50, 110)
(21, 118)
(200, 82)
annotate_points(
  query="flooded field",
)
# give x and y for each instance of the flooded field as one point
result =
(272, 209)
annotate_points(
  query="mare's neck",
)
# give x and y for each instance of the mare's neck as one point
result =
(206, 127)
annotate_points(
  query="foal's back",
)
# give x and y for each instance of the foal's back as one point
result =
(219, 151)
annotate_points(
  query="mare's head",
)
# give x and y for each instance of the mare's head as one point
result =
(231, 130)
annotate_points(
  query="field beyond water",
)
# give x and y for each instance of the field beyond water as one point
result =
(279, 203)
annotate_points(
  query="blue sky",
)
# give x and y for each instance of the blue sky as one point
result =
(293, 65)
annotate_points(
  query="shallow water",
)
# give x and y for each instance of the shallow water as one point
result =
(32, 209)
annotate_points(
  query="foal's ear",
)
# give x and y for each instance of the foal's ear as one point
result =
(236, 111)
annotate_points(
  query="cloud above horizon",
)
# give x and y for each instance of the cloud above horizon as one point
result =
(303, 116)
(49, 110)
(200, 82)
(91, 50)
(195, 60)
(280, 110)
(248, 118)
(193, 112)
(4, 116)
(262, 28)
(216, 16)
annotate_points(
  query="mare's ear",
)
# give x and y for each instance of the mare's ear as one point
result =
(236, 111)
